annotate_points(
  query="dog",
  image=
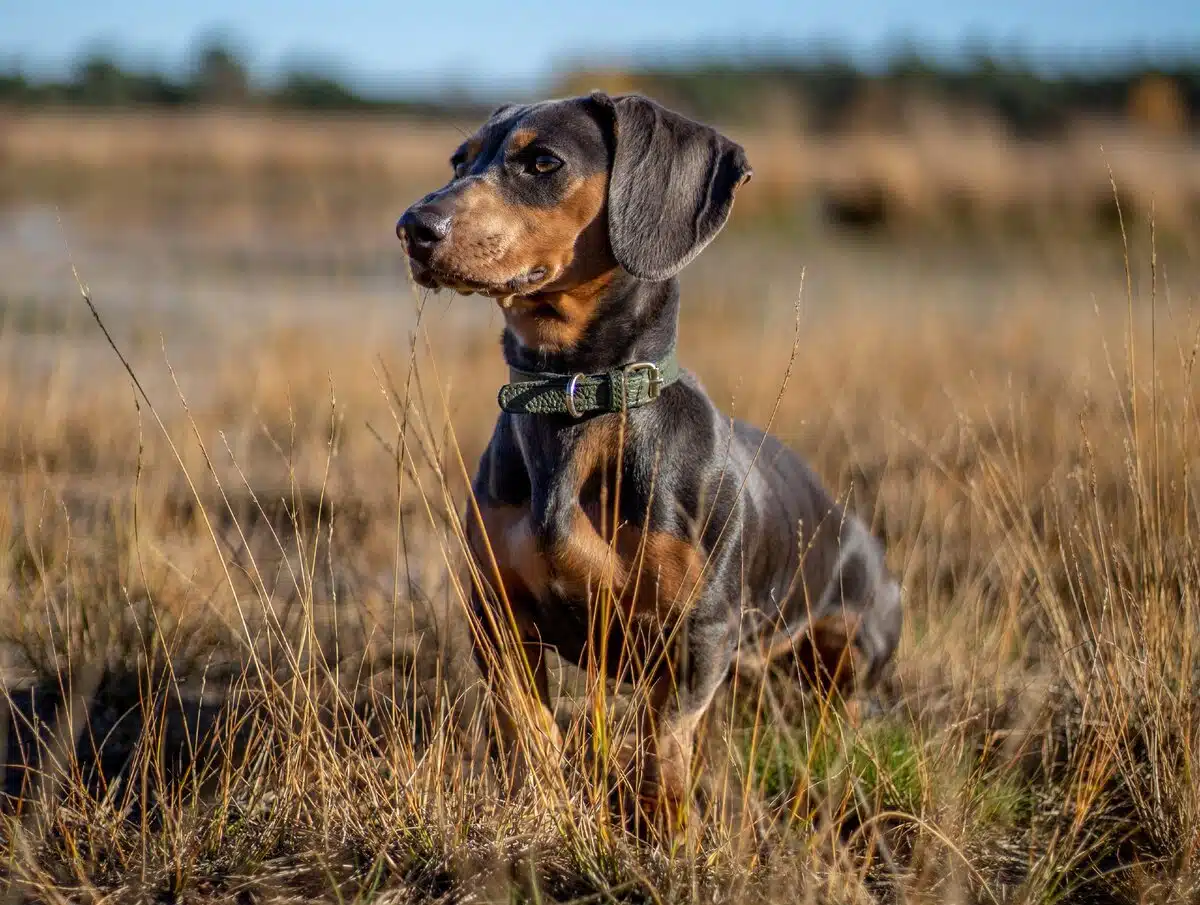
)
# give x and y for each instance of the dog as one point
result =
(611, 481)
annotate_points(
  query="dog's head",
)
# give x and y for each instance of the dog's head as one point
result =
(547, 197)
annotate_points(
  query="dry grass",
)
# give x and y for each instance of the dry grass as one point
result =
(942, 174)
(236, 654)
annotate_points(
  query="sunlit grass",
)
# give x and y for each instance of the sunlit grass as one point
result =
(250, 582)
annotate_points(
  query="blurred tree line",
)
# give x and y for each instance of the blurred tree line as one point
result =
(219, 77)
(831, 94)
(822, 94)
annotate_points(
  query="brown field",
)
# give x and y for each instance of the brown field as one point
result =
(940, 174)
(234, 647)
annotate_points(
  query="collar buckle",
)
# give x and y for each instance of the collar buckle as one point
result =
(654, 382)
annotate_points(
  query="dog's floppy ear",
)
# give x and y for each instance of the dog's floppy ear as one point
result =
(671, 188)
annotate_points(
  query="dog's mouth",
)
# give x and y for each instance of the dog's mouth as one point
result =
(438, 278)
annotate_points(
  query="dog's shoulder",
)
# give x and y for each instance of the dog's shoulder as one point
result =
(502, 475)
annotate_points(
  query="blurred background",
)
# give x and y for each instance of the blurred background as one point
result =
(989, 212)
(234, 161)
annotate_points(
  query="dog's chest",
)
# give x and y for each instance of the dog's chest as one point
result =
(582, 536)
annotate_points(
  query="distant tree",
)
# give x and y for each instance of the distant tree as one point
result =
(220, 77)
(156, 89)
(14, 88)
(100, 81)
(311, 91)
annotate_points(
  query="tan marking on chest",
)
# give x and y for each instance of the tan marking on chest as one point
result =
(651, 574)
(665, 571)
(508, 528)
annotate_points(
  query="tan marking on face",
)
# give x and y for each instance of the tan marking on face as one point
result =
(521, 139)
(556, 232)
(484, 229)
(574, 238)
(494, 241)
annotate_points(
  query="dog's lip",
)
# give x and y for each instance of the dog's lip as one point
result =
(422, 275)
(523, 284)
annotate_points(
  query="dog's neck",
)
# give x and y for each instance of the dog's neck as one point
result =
(631, 320)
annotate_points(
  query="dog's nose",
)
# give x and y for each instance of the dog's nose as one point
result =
(423, 226)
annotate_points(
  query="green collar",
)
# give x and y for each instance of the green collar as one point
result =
(627, 387)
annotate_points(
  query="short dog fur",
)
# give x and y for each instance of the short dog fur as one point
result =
(576, 215)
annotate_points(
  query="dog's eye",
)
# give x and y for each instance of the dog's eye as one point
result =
(545, 163)
(460, 169)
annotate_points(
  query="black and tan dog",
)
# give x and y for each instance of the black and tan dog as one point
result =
(576, 215)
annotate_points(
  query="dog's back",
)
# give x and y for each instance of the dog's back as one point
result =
(812, 567)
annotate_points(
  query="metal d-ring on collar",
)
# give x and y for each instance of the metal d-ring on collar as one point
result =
(570, 401)
(621, 389)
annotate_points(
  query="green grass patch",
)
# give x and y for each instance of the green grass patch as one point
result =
(886, 761)
(892, 766)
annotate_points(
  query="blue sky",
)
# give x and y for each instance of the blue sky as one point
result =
(499, 44)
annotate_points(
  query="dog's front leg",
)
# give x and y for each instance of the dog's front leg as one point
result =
(506, 646)
(697, 664)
